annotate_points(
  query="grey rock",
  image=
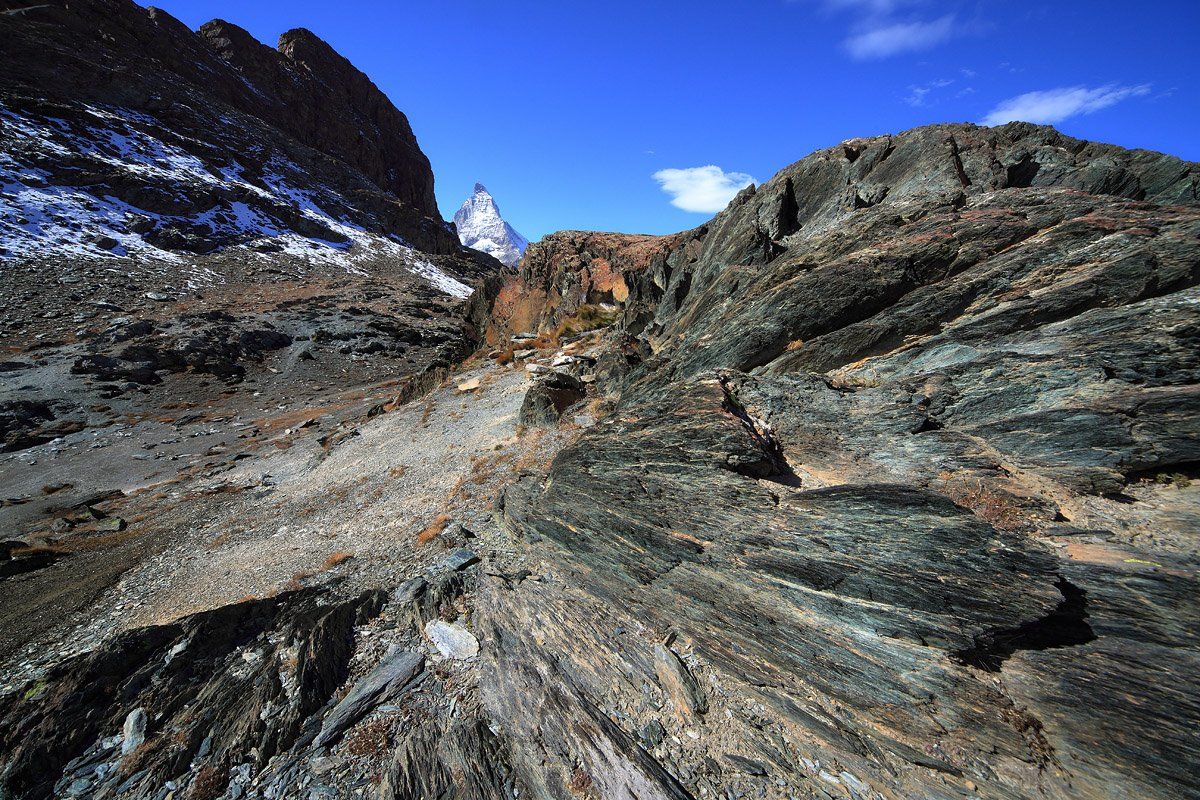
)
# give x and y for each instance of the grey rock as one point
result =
(461, 558)
(386, 682)
(133, 731)
(677, 681)
(452, 640)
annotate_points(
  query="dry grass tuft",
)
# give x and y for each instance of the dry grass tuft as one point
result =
(208, 784)
(372, 739)
(297, 580)
(340, 557)
(433, 529)
(581, 782)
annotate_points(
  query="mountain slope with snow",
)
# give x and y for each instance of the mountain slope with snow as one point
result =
(207, 147)
(481, 227)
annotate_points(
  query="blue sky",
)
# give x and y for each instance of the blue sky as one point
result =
(568, 110)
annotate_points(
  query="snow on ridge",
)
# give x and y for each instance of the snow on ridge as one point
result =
(40, 217)
(481, 227)
(440, 279)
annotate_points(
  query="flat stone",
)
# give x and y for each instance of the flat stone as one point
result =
(389, 679)
(452, 640)
(409, 590)
(461, 559)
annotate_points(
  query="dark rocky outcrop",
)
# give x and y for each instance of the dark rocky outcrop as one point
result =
(549, 397)
(864, 497)
(209, 690)
(312, 92)
(250, 114)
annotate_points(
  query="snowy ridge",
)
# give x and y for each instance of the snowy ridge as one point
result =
(481, 227)
(51, 205)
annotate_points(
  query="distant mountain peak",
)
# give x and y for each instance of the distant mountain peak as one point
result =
(481, 227)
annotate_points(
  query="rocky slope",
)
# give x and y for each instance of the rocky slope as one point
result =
(481, 227)
(185, 214)
(878, 485)
(897, 497)
(205, 245)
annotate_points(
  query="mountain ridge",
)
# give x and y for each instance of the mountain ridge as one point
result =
(481, 227)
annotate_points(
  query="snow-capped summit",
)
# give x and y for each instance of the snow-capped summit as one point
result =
(481, 227)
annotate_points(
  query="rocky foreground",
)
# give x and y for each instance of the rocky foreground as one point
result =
(881, 484)
(878, 485)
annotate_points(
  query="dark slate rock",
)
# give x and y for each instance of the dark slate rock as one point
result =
(385, 683)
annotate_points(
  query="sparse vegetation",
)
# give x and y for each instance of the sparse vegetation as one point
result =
(588, 317)
(433, 529)
(333, 559)
(1176, 479)
(209, 784)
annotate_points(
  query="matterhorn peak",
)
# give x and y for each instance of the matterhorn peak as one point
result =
(481, 227)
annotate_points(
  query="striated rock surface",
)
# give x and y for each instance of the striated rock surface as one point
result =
(896, 500)
(887, 490)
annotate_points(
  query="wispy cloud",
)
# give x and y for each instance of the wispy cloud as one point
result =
(704, 190)
(883, 28)
(1055, 105)
(917, 94)
(870, 6)
(881, 40)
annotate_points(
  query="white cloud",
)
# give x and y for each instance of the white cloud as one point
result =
(704, 190)
(1055, 105)
(883, 40)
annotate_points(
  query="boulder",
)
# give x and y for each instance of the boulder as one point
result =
(549, 396)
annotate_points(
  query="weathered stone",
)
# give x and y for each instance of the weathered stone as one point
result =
(134, 731)
(452, 640)
(849, 422)
(385, 683)
(678, 683)
(461, 558)
(549, 396)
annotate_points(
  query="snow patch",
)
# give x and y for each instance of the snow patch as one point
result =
(42, 215)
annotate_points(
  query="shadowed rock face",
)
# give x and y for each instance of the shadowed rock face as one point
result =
(879, 475)
(218, 96)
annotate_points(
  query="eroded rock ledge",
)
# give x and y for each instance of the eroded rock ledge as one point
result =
(900, 474)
